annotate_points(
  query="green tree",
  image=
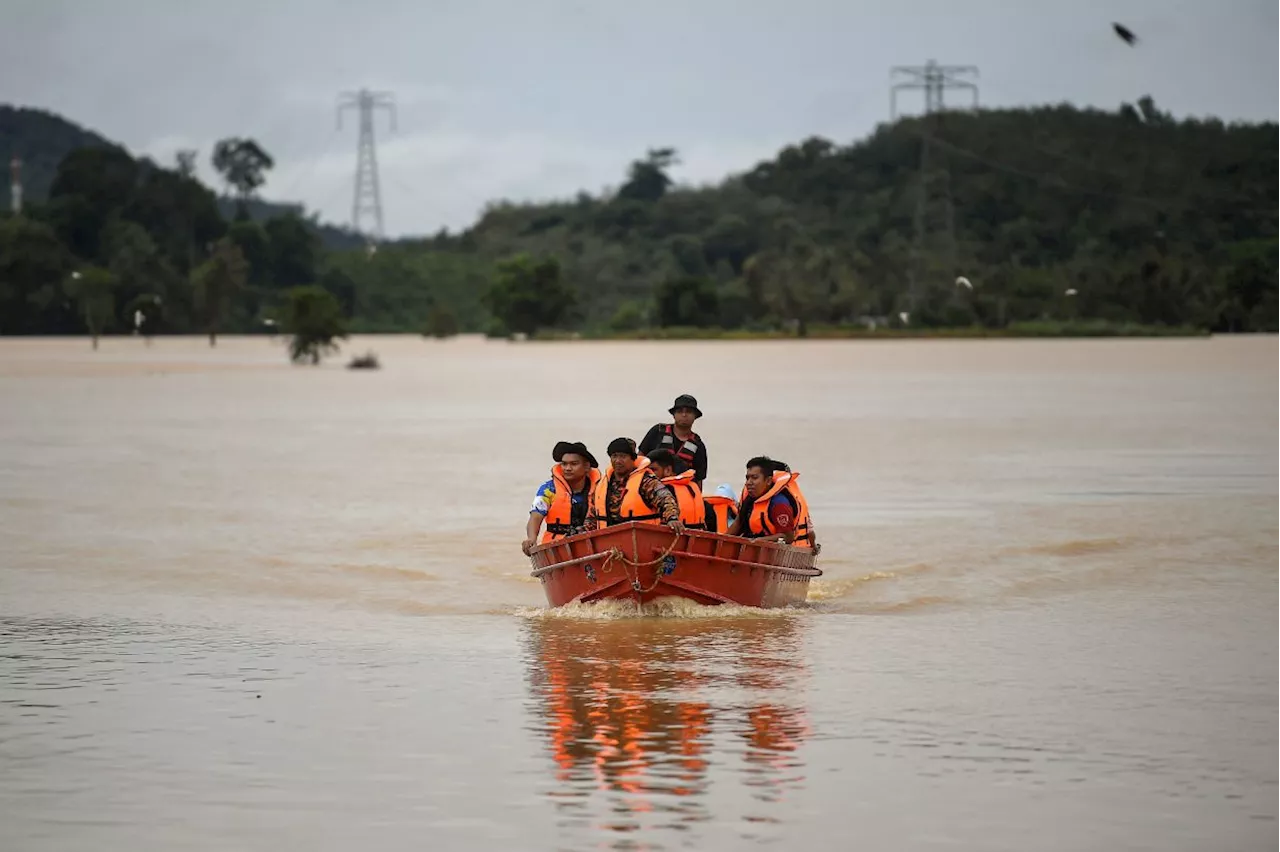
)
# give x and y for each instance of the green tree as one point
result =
(343, 287)
(293, 251)
(688, 301)
(1248, 287)
(647, 179)
(441, 323)
(528, 294)
(688, 256)
(215, 283)
(179, 213)
(90, 186)
(734, 301)
(253, 242)
(628, 317)
(314, 319)
(105, 177)
(731, 239)
(132, 257)
(1145, 217)
(243, 165)
(93, 289)
(33, 265)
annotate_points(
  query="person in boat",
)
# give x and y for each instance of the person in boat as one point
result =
(564, 500)
(693, 512)
(630, 491)
(678, 436)
(805, 520)
(722, 508)
(773, 506)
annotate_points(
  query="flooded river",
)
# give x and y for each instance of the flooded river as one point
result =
(248, 606)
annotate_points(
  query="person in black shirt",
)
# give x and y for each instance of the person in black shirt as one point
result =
(678, 437)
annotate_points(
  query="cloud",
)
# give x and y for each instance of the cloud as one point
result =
(499, 99)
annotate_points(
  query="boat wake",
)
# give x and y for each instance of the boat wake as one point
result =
(666, 607)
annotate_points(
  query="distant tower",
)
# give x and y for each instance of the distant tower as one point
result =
(368, 197)
(934, 79)
(934, 181)
(15, 184)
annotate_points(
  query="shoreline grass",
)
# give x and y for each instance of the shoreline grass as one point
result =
(1040, 329)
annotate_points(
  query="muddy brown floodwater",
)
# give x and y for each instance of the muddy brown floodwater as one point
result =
(256, 607)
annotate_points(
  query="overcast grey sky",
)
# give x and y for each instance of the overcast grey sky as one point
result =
(539, 98)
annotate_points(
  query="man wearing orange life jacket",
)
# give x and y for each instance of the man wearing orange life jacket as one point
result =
(631, 491)
(805, 520)
(773, 506)
(693, 512)
(563, 501)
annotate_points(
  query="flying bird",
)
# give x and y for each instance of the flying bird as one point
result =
(1125, 33)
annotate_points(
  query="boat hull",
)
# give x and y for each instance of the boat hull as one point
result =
(643, 562)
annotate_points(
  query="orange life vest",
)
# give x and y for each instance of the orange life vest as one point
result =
(633, 507)
(689, 498)
(804, 526)
(720, 506)
(758, 523)
(560, 513)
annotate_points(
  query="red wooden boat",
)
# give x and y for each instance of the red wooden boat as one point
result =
(643, 562)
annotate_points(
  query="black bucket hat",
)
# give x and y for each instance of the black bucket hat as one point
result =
(623, 445)
(684, 400)
(564, 447)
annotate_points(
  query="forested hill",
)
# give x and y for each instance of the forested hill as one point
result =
(1050, 215)
(42, 139)
(1129, 216)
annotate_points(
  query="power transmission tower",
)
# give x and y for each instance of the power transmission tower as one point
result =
(935, 174)
(15, 185)
(368, 196)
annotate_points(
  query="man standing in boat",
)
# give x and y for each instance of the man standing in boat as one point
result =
(631, 491)
(693, 512)
(678, 437)
(564, 500)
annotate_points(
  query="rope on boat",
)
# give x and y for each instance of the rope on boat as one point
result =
(616, 553)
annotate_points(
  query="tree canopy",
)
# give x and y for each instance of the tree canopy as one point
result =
(1128, 217)
(41, 140)
(243, 166)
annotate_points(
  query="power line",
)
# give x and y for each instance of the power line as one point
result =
(368, 195)
(935, 175)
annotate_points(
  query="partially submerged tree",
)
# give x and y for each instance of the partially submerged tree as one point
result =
(215, 281)
(314, 318)
(441, 323)
(93, 289)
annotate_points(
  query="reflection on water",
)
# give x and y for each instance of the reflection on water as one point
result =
(647, 713)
